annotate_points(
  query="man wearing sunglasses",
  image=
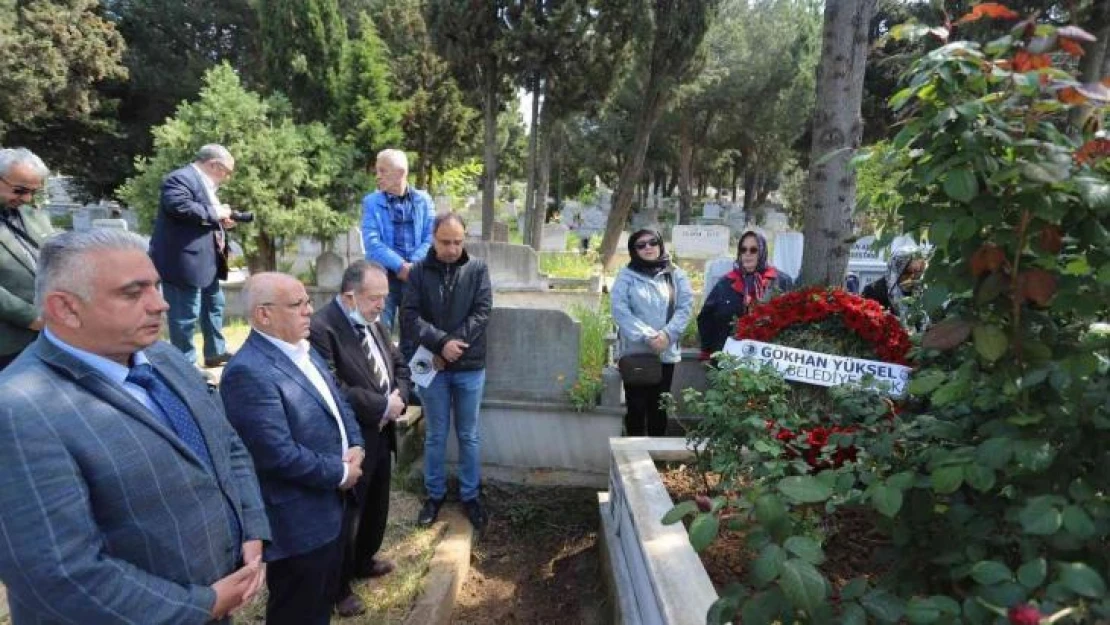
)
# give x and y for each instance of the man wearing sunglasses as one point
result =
(23, 228)
(189, 249)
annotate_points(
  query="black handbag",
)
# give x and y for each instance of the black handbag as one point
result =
(646, 369)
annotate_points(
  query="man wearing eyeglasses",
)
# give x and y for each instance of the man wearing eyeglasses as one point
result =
(189, 249)
(23, 228)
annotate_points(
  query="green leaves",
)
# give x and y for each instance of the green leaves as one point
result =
(990, 342)
(990, 572)
(887, 500)
(675, 514)
(1039, 517)
(703, 529)
(1082, 580)
(960, 184)
(803, 584)
(805, 489)
(805, 548)
(1032, 573)
(947, 479)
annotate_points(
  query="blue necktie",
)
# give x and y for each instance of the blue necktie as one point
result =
(173, 410)
(179, 418)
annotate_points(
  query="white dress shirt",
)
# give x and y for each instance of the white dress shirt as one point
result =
(298, 355)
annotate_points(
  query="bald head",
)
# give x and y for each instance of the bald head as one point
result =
(279, 306)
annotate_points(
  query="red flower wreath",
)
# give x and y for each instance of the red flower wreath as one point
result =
(865, 317)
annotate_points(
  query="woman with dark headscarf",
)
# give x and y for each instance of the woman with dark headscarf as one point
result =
(651, 303)
(902, 279)
(751, 280)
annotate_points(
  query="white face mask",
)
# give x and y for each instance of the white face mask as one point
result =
(354, 314)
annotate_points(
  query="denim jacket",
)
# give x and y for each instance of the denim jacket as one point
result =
(639, 305)
(377, 228)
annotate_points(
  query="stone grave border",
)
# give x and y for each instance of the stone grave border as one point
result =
(655, 577)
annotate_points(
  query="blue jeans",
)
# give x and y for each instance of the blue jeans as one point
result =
(392, 301)
(186, 305)
(462, 392)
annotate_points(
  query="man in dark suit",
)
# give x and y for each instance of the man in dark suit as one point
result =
(189, 248)
(371, 371)
(22, 231)
(306, 446)
(125, 495)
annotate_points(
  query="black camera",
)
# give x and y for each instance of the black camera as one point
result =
(242, 217)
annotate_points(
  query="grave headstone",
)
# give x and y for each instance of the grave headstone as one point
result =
(82, 219)
(115, 224)
(554, 238)
(700, 241)
(788, 253)
(329, 270)
(500, 232)
(510, 266)
(711, 211)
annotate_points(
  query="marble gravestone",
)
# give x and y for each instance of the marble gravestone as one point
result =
(700, 241)
(554, 238)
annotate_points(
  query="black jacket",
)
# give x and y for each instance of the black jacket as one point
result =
(444, 302)
(880, 292)
(717, 319)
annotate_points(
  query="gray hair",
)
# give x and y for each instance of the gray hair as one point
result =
(356, 273)
(10, 157)
(214, 152)
(397, 158)
(63, 265)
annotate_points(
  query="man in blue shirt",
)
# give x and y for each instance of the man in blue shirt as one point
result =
(396, 225)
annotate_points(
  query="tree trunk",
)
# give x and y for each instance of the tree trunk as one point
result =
(489, 155)
(653, 104)
(543, 180)
(265, 255)
(837, 128)
(1095, 63)
(532, 214)
(685, 169)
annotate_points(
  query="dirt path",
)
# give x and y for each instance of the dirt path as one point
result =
(537, 562)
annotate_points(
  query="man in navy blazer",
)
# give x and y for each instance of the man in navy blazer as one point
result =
(306, 446)
(125, 496)
(189, 249)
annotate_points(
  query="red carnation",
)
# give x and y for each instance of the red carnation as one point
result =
(1024, 614)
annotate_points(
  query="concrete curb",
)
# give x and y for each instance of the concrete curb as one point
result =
(448, 570)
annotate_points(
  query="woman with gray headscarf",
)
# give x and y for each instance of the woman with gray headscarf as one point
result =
(902, 279)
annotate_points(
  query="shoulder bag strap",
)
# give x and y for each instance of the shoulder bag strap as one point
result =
(670, 296)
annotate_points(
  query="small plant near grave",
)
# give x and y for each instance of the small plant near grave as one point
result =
(991, 485)
(592, 355)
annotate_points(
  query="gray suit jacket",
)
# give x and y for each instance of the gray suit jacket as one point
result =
(17, 280)
(105, 515)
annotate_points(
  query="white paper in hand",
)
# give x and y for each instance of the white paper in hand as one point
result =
(422, 367)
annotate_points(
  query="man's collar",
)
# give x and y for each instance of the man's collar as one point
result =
(109, 368)
(293, 351)
(403, 194)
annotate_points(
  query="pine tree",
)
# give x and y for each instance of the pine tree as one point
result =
(369, 117)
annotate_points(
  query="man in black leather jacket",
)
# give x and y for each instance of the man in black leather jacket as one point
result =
(446, 309)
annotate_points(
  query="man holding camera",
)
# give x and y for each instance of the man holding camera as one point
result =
(189, 248)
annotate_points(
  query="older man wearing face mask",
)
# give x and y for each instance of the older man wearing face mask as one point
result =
(372, 373)
(396, 225)
(23, 228)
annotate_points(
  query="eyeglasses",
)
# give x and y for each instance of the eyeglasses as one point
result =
(20, 190)
(749, 250)
(300, 304)
(227, 171)
(640, 245)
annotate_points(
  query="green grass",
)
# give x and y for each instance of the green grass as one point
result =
(569, 264)
(592, 353)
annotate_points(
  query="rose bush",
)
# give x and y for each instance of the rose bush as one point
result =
(991, 485)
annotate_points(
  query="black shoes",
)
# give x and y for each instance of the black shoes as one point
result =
(218, 361)
(429, 512)
(476, 514)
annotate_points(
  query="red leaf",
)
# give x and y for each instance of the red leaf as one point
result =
(1070, 46)
(992, 10)
(1070, 95)
(1024, 62)
(947, 334)
(1093, 149)
(1051, 239)
(1094, 91)
(1037, 285)
(987, 259)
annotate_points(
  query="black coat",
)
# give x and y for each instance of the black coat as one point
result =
(336, 340)
(444, 302)
(183, 245)
(880, 292)
(716, 321)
